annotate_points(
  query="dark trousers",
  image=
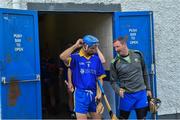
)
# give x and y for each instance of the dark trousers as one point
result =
(140, 113)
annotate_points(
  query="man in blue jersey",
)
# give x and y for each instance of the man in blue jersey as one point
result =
(86, 69)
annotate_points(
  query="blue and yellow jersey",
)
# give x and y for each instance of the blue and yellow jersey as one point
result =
(86, 70)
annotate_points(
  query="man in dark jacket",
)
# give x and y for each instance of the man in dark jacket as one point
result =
(129, 79)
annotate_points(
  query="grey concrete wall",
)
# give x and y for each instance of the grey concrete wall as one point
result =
(167, 43)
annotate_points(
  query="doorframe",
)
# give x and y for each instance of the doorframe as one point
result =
(73, 7)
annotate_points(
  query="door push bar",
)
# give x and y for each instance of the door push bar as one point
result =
(3, 80)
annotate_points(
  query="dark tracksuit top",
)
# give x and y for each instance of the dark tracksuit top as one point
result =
(131, 76)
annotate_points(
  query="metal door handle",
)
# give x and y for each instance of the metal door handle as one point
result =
(3, 80)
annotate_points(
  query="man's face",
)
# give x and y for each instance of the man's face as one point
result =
(91, 50)
(118, 46)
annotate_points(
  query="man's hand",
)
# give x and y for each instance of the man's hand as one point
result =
(149, 93)
(79, 43)
(98, 96)
(121, 92)
(71, 87)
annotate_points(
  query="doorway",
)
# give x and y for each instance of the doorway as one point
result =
(58, 31)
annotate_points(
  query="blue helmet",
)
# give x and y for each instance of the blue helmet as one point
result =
(90, 40)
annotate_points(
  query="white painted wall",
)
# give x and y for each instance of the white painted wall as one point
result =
(167, 43)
